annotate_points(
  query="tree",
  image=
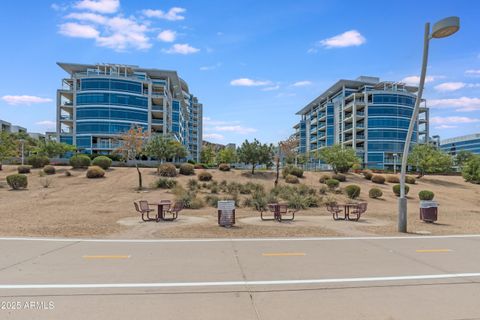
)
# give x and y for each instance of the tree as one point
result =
(471, 170)
(288, 149)
(7, 147)
(429, 159)
(341, 159)
(131, 146)
(227, 155)
(255, 153)
(207, 155)
(462, 157)
(161, 148)
(179, 150)
(53, 148)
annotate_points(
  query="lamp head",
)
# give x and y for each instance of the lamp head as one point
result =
(446, 27)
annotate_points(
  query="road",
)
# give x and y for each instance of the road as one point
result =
(318, 278)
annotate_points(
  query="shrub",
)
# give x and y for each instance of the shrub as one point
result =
(165, 183)
(332, 184)
(471, 170)
(68, 174)
(191, 161)
(212, 200)
(324, 178)
(45, 182)
(167, 170)
(352, 191)
(293, 171)
(37, 161)
(197, 203)
(224, 167)
(102, 162)
(426, 195)
(291, 179)
(199, 166)
(95, 172)
(187, 169)
(49, 170)
(368, 174)
(214, 189)
(323, 190)
(192, 185)
(375, 193)
(357, 166)
(205, 176)
(339, 177)
(392, 179)
(80, 161)
(377, 178)
(17, 181)
(410, 180)
(396, 190)
(24, 169)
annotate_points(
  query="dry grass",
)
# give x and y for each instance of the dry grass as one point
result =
(79, 207)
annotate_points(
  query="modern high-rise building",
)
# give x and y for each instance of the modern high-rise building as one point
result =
(99, 102)
(365, 114)
(469, 142)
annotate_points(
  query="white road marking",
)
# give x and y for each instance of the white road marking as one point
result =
(236, 283)
(240, 240)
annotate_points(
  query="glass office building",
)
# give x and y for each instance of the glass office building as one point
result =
(98, 103)
(469, 142)
(365, 114)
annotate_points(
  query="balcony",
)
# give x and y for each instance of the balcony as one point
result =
(157, 108)
(66, 117)
(157, 122)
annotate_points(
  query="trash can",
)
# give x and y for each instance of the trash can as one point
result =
(226, 213)
(428, 211)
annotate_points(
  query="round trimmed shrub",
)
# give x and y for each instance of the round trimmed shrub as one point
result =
(224, 167)
(392, 179)
(352, 191)
(37, 161)
(95, 172)
(187, 169)
(24, 169)
(410, 180)
(340, 177)
(49, 170)
(368, 174)
(426, 195)
(324, 178)
(17, 181)
(396, 190)
(102, 162)
(375, 193)
(332, 183)
(165, 183)
(295, 171)
(167, 170)
(291, 179)
(205, 176)
(377, 178)
(80, 161)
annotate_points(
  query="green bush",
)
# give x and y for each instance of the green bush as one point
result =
(102, 162)
(212, 200)
(187, 169)
(17, 181)
(323, 190)
(340, 177)
(95, 172)
(24, 169)
(167, 170)
(293, 171)
(426, 195)
(192, 185)
(396, 189)
(291, 179)
(205, 176)
(375, 193)
(332, 183)
(191, 161)
(471, 170)
(80, 161)
(377, 178)
(197, 203)
(324, 178)
(37, 161)
(367, 174)
(352, 191)
(392, 179)
(165, 183)
(49, 170)
(224, 167)
(410, 180)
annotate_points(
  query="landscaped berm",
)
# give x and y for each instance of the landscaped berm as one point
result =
(65, 203)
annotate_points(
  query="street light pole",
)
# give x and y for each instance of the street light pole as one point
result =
(441, 29)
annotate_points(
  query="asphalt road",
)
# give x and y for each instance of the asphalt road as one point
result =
(323, 278)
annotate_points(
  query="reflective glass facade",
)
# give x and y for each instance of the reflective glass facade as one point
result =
(468, 143)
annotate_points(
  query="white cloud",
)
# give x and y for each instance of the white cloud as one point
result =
(184, 48)
(463, 104)
(303, 83)
(167, 36)
(453, 120)
(347, 39)
(209, 122)
(24, 99)
(212, 67)
(246, 82)
(235, 129)
(415, 80)
(445, 126)
(174, 14)
(76, 30)
(102, 6)
(87, 16)
(272, 88)
(449, 86)
(213, 136)
(46, 123)
(475, 72)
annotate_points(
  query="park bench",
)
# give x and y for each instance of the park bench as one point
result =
(144, 209)
(171, 210)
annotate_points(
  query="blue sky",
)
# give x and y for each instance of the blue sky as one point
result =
(253, 64)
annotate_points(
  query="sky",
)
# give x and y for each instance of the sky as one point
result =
(253, 64)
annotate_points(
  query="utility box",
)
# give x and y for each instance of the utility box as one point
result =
(226, 213)
(428, 211)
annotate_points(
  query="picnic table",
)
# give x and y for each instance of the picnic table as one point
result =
(162, 207)
(279, 210)
(356, 209)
